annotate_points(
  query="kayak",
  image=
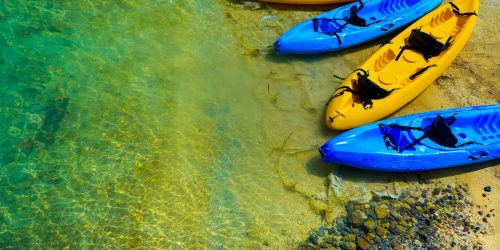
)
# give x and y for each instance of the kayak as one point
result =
(351, 25)
(425, 141)
(308, 1)
(404, 67)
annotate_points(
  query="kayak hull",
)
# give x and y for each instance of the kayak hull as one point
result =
(345, 111)
(364, 147)
(382, 16)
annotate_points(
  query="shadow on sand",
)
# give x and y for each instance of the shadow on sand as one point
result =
(317, 167)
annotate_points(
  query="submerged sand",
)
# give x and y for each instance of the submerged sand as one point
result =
(472, 79)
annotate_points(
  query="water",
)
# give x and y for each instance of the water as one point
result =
(153, 124)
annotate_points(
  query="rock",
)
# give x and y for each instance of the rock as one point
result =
(251, 5)
(400, 229)
(333, 240)
(313, 239)
(487, 189)
(431, 205)
(405, 207)
(381, 212)
(370, 237)
(370, 213)
(358, 207)
(350, 237)
(436, 191)
(409, 201)
(396, 215)
(414, 212)
(350, 245)
(268, 18)
(370, 225)
(362, 243)
(386, 195)
(349, 208)
(417, 243)
(398, 204)
(356, 218)
(321, 232)
(381, 231)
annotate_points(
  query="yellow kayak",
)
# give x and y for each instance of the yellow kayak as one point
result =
(308, 1)
(403, 68)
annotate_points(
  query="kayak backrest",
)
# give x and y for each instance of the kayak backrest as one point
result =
(439, 131)
(354, 18)
(425, 44)
(368, 90)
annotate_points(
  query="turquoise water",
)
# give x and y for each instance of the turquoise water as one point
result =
(119, 130)
(153, 124)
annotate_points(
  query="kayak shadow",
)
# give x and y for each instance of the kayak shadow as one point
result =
(357, 175)
(318, 167)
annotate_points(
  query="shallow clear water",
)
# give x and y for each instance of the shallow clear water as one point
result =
(158, 124)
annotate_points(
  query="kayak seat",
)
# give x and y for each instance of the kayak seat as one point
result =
(369, 90)
(396, 136)
(439, 131)
(327, 25)
(365, 89)
(424, 44)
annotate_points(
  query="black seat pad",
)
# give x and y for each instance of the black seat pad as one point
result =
(440, 132)
(368, 90)
(355, 19)
(425, 44)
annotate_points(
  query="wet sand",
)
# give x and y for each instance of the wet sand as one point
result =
(472, 79)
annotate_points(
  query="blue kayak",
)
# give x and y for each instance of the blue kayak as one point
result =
(425, 141)
(351, 25)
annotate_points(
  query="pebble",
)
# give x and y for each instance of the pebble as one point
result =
(415, 222)
(321, 232)
(251, 5)
(350, 245)
(350, 237)
(396, 215)
(370, 225)
(381, 212)
(487, 189)
(362, 243)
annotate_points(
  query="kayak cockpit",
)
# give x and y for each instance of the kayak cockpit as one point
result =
(434, 132)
